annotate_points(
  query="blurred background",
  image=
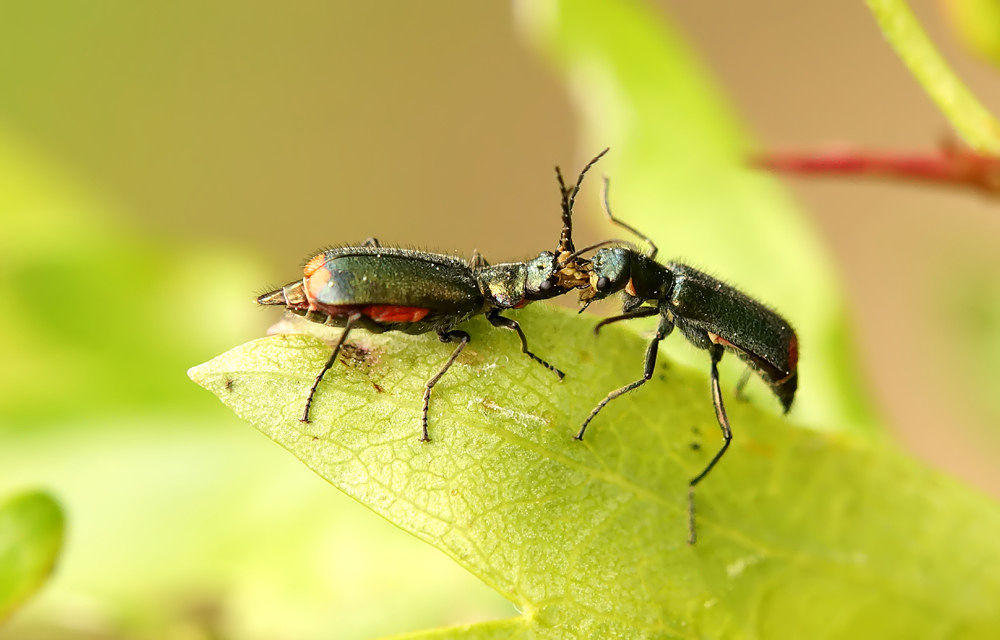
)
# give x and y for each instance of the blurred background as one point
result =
(159, 164)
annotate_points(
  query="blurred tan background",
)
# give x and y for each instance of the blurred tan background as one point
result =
(275, 130)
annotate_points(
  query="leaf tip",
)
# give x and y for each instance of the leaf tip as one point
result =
(199, 374)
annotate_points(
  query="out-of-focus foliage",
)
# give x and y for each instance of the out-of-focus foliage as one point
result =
(112, 314)
(799, 532)
(974, 305)
(978, 24)
(31, 537)
(972, 309)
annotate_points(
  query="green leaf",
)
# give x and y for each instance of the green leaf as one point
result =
(31, 536)
(801, 534)
(678, 173)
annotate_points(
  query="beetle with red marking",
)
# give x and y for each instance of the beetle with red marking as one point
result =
(711, 314)
(381, 289)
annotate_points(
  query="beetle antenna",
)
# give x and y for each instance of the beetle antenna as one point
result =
(566, 237)
(579, 180)
(596, 245)
(568, 200)
(607, 209)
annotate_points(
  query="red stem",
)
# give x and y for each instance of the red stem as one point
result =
(952, 166)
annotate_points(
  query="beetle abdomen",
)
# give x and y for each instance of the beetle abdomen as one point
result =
(733, 319)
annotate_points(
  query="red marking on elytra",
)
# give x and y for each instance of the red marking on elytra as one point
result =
(717, 339)
(520, 305)
(793, 353)
(393, 313)
(316, 280)
(314, 264)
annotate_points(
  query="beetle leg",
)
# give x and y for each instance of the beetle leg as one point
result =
(642, 312)
(498, 320)
(716, 351)
(351, 319)
(666, 326)
(446, 336)
(741, 385)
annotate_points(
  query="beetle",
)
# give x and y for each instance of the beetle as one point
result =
(711, 314)
(381, 289)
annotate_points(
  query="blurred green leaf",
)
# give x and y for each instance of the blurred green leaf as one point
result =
(116, 312)
(970, 310)
(678, 173)
(801, 534)
(31, 536)
(978, 24)
(973, 122)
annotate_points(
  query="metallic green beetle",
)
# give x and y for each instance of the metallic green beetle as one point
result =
(711, 314)
(380, 289)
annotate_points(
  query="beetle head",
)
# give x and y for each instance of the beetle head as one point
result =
(611, 269)
(546, 277)
(541, 277)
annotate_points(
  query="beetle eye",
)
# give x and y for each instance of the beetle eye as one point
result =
(603, 283)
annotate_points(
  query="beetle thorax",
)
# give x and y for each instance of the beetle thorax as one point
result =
(502, 285)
